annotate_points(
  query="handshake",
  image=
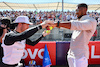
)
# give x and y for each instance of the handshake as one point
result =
(48, 24)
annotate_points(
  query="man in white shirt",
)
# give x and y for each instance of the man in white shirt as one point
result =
(84, 28)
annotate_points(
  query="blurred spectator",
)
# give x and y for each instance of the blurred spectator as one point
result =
(68, 17)
(34, 20)
(37, 19)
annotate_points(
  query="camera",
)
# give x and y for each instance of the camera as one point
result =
(6, 21)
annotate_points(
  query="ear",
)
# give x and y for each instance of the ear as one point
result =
(86, 9)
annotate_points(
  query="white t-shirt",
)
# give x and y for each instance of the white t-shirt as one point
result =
(83, 31)
(13, 53)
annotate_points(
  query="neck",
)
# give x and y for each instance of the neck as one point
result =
(81, 16)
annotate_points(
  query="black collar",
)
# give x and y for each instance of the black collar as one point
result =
(15, 31)
(80, 16)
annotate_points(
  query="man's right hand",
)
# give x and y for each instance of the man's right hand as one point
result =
(47, 23)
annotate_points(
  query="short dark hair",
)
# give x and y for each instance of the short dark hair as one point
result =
(82, 5)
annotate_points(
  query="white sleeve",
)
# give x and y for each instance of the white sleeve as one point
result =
(82, 25)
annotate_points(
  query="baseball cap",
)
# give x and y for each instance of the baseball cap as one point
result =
(22, 19)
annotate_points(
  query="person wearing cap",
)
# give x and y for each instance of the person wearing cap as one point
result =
(14, 42)
(83, 29)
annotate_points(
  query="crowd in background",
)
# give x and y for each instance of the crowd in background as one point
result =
(37, 17)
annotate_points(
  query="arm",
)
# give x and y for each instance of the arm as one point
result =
(4, 31)
(83, 25)
(3, 27)
(10, 38)
(32, 43)
(65, 24)
(77, 25)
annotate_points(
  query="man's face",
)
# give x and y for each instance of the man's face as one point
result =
(80, 11)
(24, 26)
